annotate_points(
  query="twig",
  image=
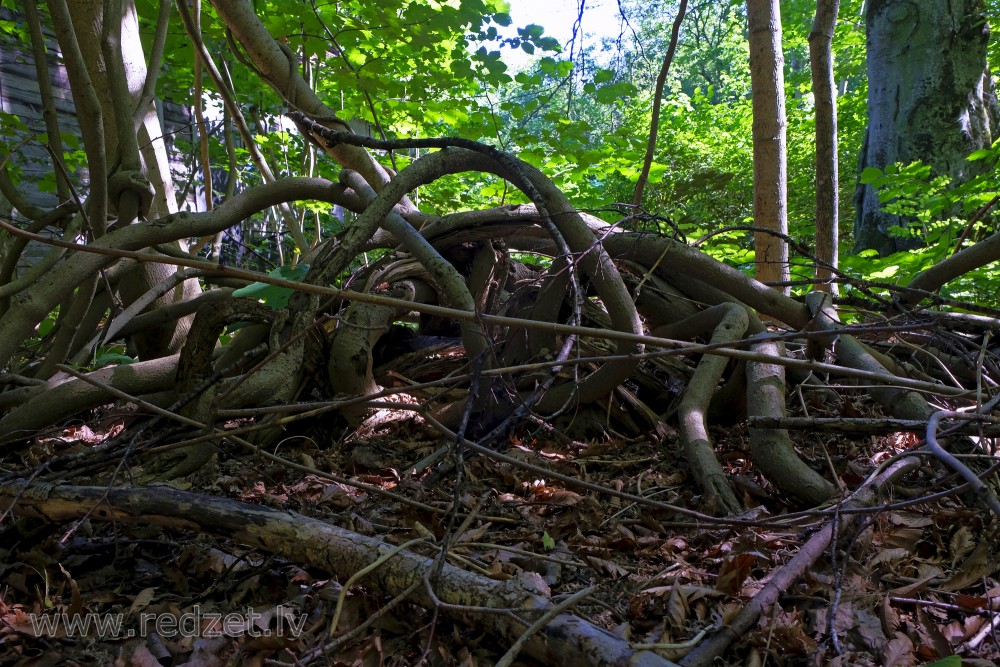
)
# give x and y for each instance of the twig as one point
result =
(356, 631)
(508, 657)
(859, 425)
(972, 479)
(983, 210)
(361, 573)
(984, 632)
(717, 643)
(674, 646)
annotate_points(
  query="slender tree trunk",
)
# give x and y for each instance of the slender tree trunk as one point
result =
(827, 177)
(770, 178)
(88, 17)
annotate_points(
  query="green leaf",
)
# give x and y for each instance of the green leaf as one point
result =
(532, 30)
(604, 75)
(11, 124)
(614, 91)
(107, 359)
(549, 44)
(45, 326)
(271, 295)
(950, 661)
(870, 175)
(887, 272)
(547, 542)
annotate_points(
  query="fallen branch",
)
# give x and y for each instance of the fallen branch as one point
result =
(977, 485)
(719, 642)
(862, 425)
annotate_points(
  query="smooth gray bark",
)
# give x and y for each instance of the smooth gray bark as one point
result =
(930, 98)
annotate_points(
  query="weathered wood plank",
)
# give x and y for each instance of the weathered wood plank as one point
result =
(19, 95)
(27, 85)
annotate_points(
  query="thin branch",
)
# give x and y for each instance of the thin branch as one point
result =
(515, 648)
(148, 93)
(972, 479)
(657, 100)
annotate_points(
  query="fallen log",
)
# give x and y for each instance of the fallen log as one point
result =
(565, 640)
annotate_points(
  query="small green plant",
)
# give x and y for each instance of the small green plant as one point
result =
(547, 542)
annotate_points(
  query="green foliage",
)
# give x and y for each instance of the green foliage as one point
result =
(271, 295)
(895, 269)
(16, 31)
(899, 268)
(403, 65)
(941, 209)
(12, 132)
(435, 68)
(912, 191)
(993, 46)
(106, 356)
(950, 661)
(11, 125)
(586, 127)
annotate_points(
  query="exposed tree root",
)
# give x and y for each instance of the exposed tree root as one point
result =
(730, 322)
(772, 449)
(304, 357)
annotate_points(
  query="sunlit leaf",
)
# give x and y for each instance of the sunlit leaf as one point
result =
(274, 296)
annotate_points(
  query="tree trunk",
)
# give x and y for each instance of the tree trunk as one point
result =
(930, 98)
(88, 19)
(827, 177)
(770, 177)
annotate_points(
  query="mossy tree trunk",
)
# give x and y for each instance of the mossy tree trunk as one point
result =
(930, 98)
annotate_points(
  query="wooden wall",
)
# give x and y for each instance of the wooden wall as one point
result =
(19, 95)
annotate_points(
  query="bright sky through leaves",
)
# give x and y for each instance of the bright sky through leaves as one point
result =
(600, 19)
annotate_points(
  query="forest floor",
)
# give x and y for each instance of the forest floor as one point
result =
(910, 582)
